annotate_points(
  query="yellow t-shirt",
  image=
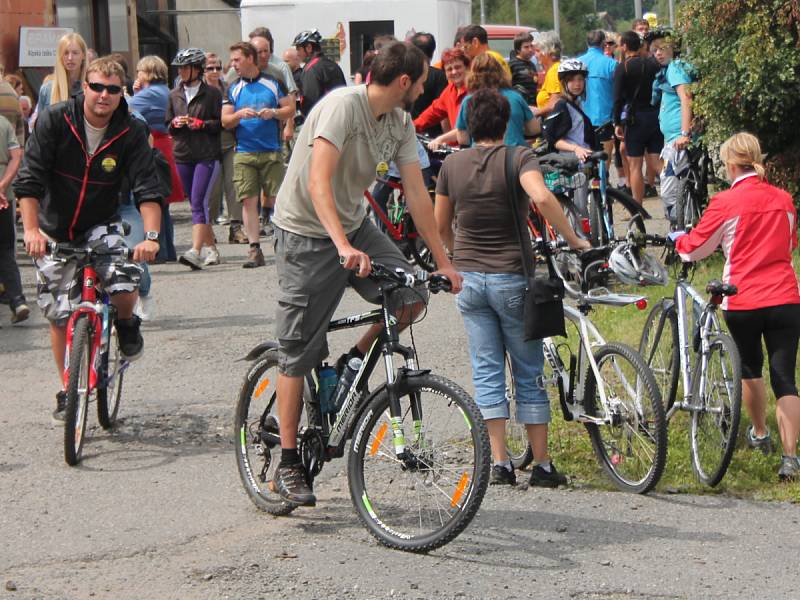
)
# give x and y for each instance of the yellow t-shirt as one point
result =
(499, 58)
(550, 86)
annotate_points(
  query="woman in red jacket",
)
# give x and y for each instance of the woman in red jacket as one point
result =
(447, 105)
(756, 225)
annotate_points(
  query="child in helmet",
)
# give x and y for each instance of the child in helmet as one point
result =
(568, 129)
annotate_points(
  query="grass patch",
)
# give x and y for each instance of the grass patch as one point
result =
(750, 475)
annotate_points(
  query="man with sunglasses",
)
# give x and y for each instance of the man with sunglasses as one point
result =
(68, 187)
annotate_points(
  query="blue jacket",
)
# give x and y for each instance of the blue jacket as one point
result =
(599, 86)
(151, 102)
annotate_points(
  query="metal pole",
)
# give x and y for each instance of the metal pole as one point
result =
(637, 8)
(556, 19)
(516, 10)
(483, 13)
(672, 13)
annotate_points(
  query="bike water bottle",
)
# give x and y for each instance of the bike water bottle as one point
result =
(327, 388)
(346, 381)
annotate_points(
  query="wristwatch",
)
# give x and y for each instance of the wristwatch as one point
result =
(686, 133)
(151, 236)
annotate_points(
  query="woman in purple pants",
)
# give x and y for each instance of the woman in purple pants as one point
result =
(193, 116)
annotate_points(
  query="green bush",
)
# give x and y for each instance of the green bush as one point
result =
(748, 55)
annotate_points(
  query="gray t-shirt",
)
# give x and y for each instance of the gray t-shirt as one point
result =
(343, 117)
(474, 180)
(94, 135)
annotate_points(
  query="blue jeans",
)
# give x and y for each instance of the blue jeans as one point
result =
(492, 305)
(166, 238)
(130, 215)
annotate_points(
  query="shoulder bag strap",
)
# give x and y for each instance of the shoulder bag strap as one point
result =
(512, 185)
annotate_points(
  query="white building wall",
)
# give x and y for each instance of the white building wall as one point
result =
(286, 18)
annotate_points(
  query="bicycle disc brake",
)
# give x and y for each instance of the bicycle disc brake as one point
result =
(312, 452)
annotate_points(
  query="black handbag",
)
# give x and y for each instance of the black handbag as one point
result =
(544, 296)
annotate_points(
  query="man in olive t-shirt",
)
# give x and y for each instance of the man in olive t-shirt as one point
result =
(320, 222)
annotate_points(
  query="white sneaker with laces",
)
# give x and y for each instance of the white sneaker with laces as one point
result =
(191, 258)
(211, 256)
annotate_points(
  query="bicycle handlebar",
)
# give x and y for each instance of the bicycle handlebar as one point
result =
(436, 283)
(569, 162)
(443, 149)
(63, 250)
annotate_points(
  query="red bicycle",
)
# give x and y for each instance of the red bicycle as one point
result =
(95, 367)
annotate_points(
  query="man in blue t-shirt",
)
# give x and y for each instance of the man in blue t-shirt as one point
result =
(255, 105)
(672, 88)
(599, 100)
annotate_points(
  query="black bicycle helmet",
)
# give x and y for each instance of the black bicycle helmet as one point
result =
(667, 34)
(308, 36)
(189, 57)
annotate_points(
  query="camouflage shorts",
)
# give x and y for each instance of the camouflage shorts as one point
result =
(57, 285)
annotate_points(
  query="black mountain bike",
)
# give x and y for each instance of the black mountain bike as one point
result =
(418, 464)
(694, 199)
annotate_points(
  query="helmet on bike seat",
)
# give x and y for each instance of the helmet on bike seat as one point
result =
(572, 66)
(635, 267)
(189, 57)
(308, 36)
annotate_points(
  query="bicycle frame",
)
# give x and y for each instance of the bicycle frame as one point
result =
(397, 232)
(708, 324)
(95, 307)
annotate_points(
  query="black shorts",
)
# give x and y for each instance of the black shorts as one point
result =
(644, 134)
(780, 328)
(604, 133)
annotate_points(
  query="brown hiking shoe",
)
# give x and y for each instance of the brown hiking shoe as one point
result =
(236, 235)
(255, 258)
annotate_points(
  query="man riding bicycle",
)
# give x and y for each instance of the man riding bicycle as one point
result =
(68, 188)
(320, 221)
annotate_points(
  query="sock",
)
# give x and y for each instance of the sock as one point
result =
(256, 245)
(506, 464)
(623, 181)
(289, 457)
(547, 467)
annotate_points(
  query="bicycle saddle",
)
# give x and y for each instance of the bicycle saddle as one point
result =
(717, 288)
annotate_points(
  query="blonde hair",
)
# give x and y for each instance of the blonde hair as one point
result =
(61, 87)
(743, 150)
(485, 72)
(153, 68)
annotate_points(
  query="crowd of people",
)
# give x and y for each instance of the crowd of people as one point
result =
(247, 127)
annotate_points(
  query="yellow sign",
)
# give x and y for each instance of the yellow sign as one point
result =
(108, 164)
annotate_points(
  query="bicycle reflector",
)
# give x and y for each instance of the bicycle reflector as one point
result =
(587, 228)
(641, 304)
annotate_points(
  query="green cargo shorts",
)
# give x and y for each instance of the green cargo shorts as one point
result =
(256, 171)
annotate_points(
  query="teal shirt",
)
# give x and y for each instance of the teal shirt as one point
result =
(669, 117)
(520, 114)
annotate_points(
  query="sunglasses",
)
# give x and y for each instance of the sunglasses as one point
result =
(100, 88)
(213, 69)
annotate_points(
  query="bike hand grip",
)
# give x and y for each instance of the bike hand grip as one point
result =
(439, 283)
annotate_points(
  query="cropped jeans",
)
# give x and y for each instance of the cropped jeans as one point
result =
(492, 305)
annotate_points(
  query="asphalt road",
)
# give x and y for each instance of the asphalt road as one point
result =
(156, 509)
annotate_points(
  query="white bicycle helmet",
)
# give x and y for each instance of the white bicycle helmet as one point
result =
(634, 267)
(572, 66)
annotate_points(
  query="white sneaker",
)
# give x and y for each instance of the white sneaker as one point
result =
(191, 258)
(211, 256)
(145, 308)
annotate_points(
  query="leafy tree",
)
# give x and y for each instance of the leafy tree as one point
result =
(748, 56)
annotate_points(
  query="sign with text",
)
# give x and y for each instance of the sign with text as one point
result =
(38, 46)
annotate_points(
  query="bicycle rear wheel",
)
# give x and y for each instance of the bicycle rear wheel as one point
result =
(257, 444)
(109, 396)
(423, 501)
(597, 226)
(632, 444)
(715, 425)
(77, 391)
(519, 450)
(630, 209)
(659, 348)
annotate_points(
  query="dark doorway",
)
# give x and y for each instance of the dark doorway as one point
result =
(362, 36)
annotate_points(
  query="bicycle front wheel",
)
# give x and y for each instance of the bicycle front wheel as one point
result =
(717, 394)
(257, 443)
(659, 348)
(631, 443)
(426, 498)
(108, 396)
(597, 226)
(78, 391)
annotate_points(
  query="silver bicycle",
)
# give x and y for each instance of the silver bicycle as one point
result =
(705, 360)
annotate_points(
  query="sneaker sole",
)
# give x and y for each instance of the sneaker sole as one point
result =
(190, 264)
(134, 357)
(545, 484)
(21, 315)
(58, 422)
